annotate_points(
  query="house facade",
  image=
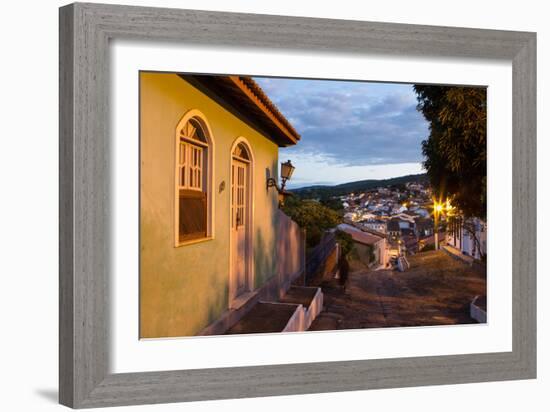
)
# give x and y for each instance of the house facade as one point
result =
(371, 249)
(467, 236)
(212, 238)
(377, 225)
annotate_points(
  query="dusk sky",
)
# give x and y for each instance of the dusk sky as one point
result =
(350, 130)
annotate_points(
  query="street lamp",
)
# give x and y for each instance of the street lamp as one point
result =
(438, 208)
(286, 173)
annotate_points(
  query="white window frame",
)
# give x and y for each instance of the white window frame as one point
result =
(192, 166)
(206, 169)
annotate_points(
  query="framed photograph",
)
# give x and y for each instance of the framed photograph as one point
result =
(257, 205)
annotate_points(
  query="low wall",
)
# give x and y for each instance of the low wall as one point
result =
(311, 312)
(477, 310)
(331, 261)
(305, 315)
(291, 251)
(295, 324)
(322, 260)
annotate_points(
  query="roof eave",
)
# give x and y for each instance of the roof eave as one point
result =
(246, 100)
(253, 91)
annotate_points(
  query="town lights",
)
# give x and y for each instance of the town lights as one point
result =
(440, 207)
(286, 173)
(449, 209)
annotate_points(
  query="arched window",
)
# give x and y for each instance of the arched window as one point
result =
(192, 203)
(241, 152)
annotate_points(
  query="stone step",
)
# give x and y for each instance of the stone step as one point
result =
(311, 299)
(267, 317)
(300, 295)
(293, 313)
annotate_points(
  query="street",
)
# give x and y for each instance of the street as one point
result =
(437, 290)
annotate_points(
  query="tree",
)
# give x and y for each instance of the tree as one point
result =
(346, 242)
(312, 216)
(456, 150)
(332, 202)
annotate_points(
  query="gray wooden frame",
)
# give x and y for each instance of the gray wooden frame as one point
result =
(85, 31)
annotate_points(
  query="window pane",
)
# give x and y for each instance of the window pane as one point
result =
(192, 215)
(182, 176)
(189, 130)
(241, 151)
(182, 153)
(198, 132)
(195, 173)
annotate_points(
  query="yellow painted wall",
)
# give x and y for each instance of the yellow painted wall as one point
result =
(183, 289)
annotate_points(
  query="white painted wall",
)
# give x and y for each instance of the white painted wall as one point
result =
(28, 158)
(465, 243)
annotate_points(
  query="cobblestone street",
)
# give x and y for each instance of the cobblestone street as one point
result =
(437, 290)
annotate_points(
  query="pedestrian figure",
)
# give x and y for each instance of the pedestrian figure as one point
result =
(343, 268)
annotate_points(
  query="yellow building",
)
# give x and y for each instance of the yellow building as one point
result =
(213, 242)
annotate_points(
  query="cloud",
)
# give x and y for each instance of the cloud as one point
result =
(349, 123)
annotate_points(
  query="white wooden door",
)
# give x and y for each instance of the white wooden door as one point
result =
(239, 213)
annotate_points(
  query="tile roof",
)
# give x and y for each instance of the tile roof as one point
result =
(358, 235)
(243, 97)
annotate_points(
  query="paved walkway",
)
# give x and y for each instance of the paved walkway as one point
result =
(437, 290)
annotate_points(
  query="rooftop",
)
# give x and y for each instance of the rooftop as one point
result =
(244, 98)
(358, 235)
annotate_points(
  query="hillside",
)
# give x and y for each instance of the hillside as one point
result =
(321, 191)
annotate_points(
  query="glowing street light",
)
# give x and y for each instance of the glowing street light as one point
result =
(438, 208)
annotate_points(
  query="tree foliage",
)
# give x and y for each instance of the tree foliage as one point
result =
(346, 242)
(456, 149)
(312, 216)
(333, 203)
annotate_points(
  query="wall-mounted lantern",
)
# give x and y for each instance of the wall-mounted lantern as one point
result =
(286, 173)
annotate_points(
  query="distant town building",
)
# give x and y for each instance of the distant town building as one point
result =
(424, 227)
(467, 236)
(409, 241)
(422, 212)
(351, 216)
(375, 224)
(393, 228)
(371, 249)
